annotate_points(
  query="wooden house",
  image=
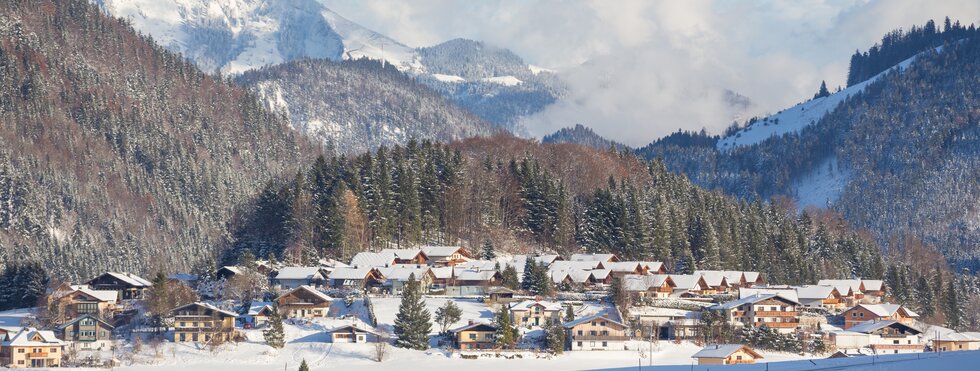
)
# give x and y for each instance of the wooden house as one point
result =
(816, 296)
(726, 354)
(689, 284)
(128, 285)
(595, 333)
(500, 295)
(83, 300)
(769, 310)
(439, 256)
(31, 348)
(888, 337)
(202, 322)
(304, 302)
(87, 332)
(293, 277)
(605, 258)
(259, 312)
(408, 256)
(866, 312)
(356, 278)
(475, 336)
(656, 286)
(352, 334)
(397, 277)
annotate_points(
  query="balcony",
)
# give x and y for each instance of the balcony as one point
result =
(740, 362)
(777, 324)
(877, 347)
(599, 338)
(776, 314)
(37, 355)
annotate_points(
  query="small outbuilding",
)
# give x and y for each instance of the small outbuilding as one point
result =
(352, 334)
(726, 354)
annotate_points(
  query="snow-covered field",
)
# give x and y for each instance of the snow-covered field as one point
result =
(823, 185)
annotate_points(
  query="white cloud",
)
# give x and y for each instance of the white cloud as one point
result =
(641, 69)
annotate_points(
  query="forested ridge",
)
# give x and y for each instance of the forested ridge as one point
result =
(115, 153)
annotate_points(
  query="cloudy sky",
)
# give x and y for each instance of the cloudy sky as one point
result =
(641, 69)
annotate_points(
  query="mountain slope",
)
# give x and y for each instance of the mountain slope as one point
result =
(356, 106)
(116, 154)
(582, 135)
(235, 36)
(898, 158)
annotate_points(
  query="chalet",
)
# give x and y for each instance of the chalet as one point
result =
(536, 312)
(293, 277)
(87, 332)
(599, 276)
(595, 333)
(865, 312)
(686, 284)
(605, 258)
(356, 278)
(500, 295)
(304, 302)
(734, 279)
(84, 300)
(620, 269)
(654, 321)
(716, 280)
(202, 322)
(883, 337)
(726, 354)
(770, 310)
(753, 279)
(654, 267)
(128, 285)
(259, 312)
(396, 277)
(787, 292)
(408, 256)
(31, 348)
(826, 297)
(442, 276)
(956, 341)
(445, 255)
(352, 334)
(649, 286)
(475, 336)
(864, 291)
(473, 282)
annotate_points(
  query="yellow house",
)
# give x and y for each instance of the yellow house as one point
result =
(535, 312)
(475, 336)
(31, 348)
(202, 322)
(726, 354)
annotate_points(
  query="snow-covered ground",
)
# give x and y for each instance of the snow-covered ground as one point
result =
(823, 185)
(504, 80)
(896, 362)
(801, 115)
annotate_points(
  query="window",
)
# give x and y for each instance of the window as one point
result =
(54, 350)
(21, 350)
(592, 333)
(472, 336)
(579, 332)
(579, 344)
(603, 323)
(894, 341)
(20, 361)
(605, 344)
(862, 314)
(738, 358)
(593, 323)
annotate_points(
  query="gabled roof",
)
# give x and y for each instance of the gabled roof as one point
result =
(30, 336)
(478, 326)
(687, 281)
(854, 285)
(653, 266)
(403, 273)
(714, 278)
(206, 306)
(472, 275)
(960, 336)
(873, 285)
(582, 320)
(127, 278)
(871, 326)
(347, 273)
(299, 273)
(752, 276)
(637, 282)
(885, 310)
(231, 268)
(110, 296)
(786, 292)
(723, 351)
(257, 306)
(732, 277)
(752, 300)
(352, 328)
(813, 292)
(600, 274)
(594, 257)
(545, 304)
(403, 253)
(436, 252)
(482, 265)
(368, 259)
(623, 266)
(569, 265)
(72, 322)
(442, 272)
(305, 288)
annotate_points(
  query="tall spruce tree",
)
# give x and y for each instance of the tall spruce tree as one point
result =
(510, 279)
(506, 334)
(275, 336)
(489, 252)
(413, 322)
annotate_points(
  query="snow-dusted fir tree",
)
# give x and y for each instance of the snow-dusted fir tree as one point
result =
(275, 336)
(448, 314)
(506, 335)
(413, 322)
(303, 366)
(489, 252)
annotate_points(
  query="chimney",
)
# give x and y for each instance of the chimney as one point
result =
(471, 322)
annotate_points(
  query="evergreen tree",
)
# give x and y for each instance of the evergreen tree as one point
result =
(510, 279)
(618, 294)
(488, 250)
(926, 304)
(506, 335)
(275, 336)
(303, 366)
(951, 306)
(569, 314)
(413, 322)
(448, 314)
(554, 337)
(823, 92)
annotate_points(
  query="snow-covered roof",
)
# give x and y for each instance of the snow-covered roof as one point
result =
(713, 278)
(885, 310)
(528, 304)
(600, 274)
(868, 327)
(29, 337)
(813, 292)
(186, 277)
(351, 328)
(873, 285)
(349, 273)
(110, 296)
(593, 257)
(582, 320)
(298, 273)
(257, 306)
(854, 285)
(622, 266)
(232, 269)
(472, 275)
(479, 265)
(960, 336)
(751, 276)
(79, 318)
(403, 253)
(443, 272)
(653, 266)
(659, 312)
(786, 292)
(637, 282)
(686, 281)
(567, 265)
(206, 306)
(440, 251)
(723, 351)
(368, 259)
(130, 279)
(489, 327)
(310, 290)
(733, 277)
(403, 273)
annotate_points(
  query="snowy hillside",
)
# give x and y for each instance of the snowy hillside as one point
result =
(799, 116)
